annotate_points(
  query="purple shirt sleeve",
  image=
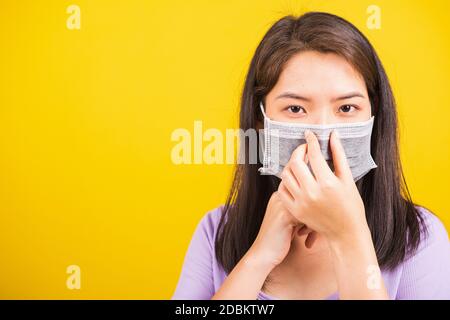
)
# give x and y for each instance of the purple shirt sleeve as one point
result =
(196, 279)
(423, 275)
(426, 274)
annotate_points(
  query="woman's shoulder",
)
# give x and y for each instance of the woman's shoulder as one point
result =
(209, 222)
(213, 216)
(433, 242)
(425, 270)
(432, 229)
(199, 277)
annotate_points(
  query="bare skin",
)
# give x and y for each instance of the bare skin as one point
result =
(314, 239)
(305, 273)
(336, 78)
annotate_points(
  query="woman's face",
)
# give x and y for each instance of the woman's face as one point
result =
(318, 88)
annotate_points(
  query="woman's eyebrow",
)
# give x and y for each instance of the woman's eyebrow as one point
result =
(349, 95)
(292, 95)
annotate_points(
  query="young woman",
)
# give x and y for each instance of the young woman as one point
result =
(316, 233)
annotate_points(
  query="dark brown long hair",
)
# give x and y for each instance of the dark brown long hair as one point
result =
(392, 217)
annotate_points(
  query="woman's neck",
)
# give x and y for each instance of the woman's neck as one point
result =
(302, 258)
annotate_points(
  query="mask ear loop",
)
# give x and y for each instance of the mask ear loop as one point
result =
(265, 169)
(262, 109)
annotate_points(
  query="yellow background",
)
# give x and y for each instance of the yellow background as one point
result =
(86, 118)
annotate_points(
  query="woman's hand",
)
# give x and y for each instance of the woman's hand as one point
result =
(328, 203)
(277, 230)
(267, 251)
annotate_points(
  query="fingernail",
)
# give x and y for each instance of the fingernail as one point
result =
(336, 133)
(307, 132)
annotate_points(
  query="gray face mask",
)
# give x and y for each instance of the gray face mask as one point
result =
(280, 139)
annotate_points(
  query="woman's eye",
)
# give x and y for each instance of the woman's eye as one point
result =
(347, 108)
(296, 109)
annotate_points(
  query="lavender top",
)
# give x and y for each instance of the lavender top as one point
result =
(423, 275)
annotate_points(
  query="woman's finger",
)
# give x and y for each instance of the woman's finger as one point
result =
(341, 167)
(290, 182)
(302, 173)
(310, 239)
(303, 230)
(319, 166)
(295, 230)
(285, 195)
(299, 153)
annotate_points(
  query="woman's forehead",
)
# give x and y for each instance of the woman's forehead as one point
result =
(312, 73)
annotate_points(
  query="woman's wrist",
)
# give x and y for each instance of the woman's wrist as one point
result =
(354, 238)
(356, 266)
(258, 261)
(246, 279)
